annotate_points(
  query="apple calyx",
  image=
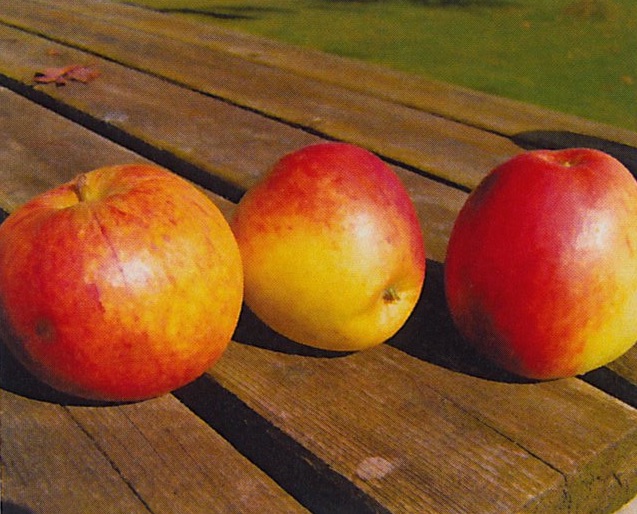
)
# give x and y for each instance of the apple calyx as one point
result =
(390, 295)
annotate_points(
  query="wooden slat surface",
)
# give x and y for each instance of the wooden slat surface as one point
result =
(58, 468)
(493, 113)
(417, 425)
(218, 138)
(428, 142)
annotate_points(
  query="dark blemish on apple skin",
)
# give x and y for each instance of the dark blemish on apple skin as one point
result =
(390, 295)
(94, 291)
(45, 330)
(631, 250)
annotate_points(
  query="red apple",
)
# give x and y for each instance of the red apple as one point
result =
(541, 268)
(332, 248)
(122, 284)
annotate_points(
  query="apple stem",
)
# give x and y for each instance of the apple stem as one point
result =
(390, 295)
(80, 187)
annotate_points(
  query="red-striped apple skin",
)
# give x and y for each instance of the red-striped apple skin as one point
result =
(123, 284)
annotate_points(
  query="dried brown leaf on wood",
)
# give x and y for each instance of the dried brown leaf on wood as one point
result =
(56, 75)
(61, 75)
(83, 74)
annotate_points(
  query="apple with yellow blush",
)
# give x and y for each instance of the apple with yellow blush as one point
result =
(121, 285)
(541, 267)
(332, 248)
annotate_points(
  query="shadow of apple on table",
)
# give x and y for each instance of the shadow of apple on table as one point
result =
(560, 139)
(9, 507)
(252, 331)
(15, 378)
(429, 334)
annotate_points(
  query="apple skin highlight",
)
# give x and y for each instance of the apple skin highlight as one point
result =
(541, 268)
(332, 248)
(121, 285)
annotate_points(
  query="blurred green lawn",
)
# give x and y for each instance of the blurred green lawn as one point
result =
(575, 56)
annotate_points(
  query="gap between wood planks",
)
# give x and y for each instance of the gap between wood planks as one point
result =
(40, 97)
(310, 480)
(166, 159)
(125, 139)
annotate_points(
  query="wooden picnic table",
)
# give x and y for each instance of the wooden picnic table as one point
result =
(417, 425)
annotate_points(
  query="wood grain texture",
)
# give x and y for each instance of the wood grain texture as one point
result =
(493, 113)
(154, 456)
(213, 137)
(49, 464)
(40, 150)
(176, 463)
(450, 150)
(376, 420)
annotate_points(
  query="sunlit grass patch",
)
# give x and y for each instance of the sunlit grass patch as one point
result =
(576, 56)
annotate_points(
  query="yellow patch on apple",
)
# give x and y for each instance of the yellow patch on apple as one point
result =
(332, 248)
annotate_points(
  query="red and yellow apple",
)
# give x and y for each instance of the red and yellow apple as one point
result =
(332, 249)
(123, 284)
(541, 267)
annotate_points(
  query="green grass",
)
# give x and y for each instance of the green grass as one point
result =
(575, 56)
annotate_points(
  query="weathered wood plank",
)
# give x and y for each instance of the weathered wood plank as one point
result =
(41, 149)
(376, 421)
(38, 149)
(490, 112)
(572, 427)
(50, 464)
(153, 456)
(216, 138)
(176, 463)
(450, 150)
(207, 132)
